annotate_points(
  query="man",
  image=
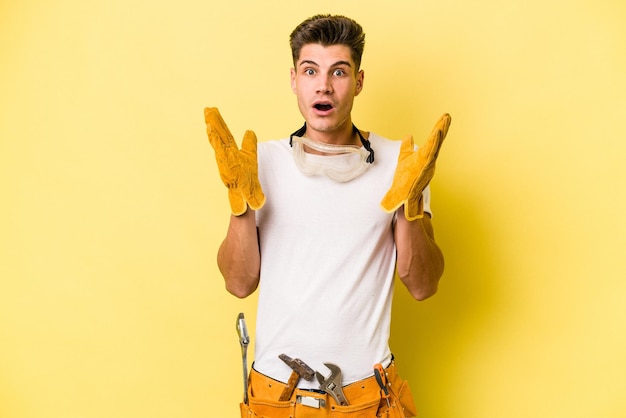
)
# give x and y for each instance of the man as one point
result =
(308, 229)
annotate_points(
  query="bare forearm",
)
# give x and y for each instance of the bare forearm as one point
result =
(420, 261)
(238, 257)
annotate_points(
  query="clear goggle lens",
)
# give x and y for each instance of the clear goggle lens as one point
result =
(351, 162)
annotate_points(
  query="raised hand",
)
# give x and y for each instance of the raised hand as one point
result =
(238, 167)
(414, 171)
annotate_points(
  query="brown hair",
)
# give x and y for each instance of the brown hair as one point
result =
(328, 30)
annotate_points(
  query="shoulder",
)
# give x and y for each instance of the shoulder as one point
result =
(379, 139)
(274, 147)
(384, 148)
(274, 144)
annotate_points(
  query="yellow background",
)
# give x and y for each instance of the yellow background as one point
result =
(111, 304)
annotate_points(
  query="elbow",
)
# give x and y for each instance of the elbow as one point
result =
(421, 289)
(239, 282)
(424, 292)
(241, 286)
(238, 285)
(424, 284)
(240, 291)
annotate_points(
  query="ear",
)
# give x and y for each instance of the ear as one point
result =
(360, 76)
(293, 80)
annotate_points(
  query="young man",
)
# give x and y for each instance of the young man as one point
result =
(308, 229)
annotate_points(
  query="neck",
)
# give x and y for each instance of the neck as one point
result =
(360, 140)
(345, 135)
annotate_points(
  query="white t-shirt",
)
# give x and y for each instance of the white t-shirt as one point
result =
(327, 265)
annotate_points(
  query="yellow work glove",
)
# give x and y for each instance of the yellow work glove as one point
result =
(414, 171)
(238, 167)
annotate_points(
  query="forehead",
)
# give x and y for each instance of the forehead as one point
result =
(325, 55)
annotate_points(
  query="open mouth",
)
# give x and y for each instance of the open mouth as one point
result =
(323, 106)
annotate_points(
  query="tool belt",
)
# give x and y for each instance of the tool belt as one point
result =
(364, 399)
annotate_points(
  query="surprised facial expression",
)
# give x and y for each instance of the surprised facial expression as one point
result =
(325, 81)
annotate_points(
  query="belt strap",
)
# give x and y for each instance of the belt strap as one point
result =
(265, 387)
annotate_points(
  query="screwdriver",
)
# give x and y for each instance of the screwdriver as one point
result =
(381, 378)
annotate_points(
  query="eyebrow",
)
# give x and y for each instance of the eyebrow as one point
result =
(337, 64)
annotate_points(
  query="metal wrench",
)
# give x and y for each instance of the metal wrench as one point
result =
(332, 384)
(244, 340)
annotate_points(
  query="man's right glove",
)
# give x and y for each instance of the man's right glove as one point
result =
(238, 167)
(414, 171)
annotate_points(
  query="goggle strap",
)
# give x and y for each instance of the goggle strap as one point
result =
(366, 144)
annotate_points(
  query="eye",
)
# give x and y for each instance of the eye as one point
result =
(339, 72)
(309, 71)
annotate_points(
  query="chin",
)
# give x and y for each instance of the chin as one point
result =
(321, 124)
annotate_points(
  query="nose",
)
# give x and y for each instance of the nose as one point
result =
(324, 84)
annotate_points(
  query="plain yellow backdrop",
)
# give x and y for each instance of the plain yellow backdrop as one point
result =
(111, 304)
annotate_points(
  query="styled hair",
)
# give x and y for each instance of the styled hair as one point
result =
(328, 30)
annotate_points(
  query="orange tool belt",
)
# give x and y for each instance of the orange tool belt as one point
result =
(365, 398)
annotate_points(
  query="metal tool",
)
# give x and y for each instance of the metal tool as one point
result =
(381, 378)
(244, 340)
(311, 401)
(332, 384)
(300, 370)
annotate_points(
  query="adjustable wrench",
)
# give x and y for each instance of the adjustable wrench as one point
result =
(332, 384)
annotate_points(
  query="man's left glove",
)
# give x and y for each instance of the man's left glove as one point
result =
(238, 167)
(414, 171)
